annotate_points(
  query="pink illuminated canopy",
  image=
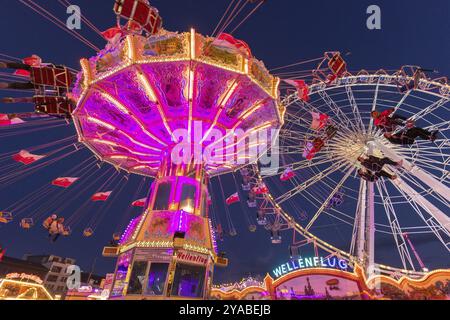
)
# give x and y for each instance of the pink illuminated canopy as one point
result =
(137, 99)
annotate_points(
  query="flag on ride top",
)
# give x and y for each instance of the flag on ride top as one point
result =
(139, 202)
(64, 182)
(26, 157)
(287, 174)
(260, 189)
(319, 120)
(227, 41)
(112, 34)
(33, 61)
(22, 73)
(302, 88)
(233, 198)
(5, 120)
(101, 196)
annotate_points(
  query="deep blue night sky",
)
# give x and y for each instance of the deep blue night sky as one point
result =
(280, 32)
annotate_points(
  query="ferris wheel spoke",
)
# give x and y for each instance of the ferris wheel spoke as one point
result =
(289, 100)
(397, 231)
(336, 110)
(418, 172)
(402, 100)
(442, 220)
(359, 229)
(442, 126)
(423, 112)
(413, 180)
(374, 105)
(333, 168)
(355, 109)
(330, 196)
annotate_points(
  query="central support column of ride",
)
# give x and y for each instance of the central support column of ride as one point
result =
(169, 251)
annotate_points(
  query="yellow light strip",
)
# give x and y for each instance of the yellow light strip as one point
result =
(191, 76)
(254, 130)
(192, 44)
(230, 90)
(130, 49)
(253, 109)
(101, 123)
(152, 96)
(114, 102)
(124, 157)
(147, 87)
(35, 285)
(114, 144)
(86, 72)
(125, 110)
(143, 166)
(112, 127)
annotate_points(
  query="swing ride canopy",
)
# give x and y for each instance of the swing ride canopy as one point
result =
(139, 98)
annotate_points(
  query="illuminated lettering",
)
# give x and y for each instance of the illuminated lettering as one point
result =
(303, 263)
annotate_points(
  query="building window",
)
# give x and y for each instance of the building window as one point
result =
(188, 281)
(52, 278)
(163, 196)
(157, 279)
(56, 269)
(137, 278)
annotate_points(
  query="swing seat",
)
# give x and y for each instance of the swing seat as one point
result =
(116, 236)
(26, 223)
(53, 105)
(5, 217)
(252, 228)
(294, 252)
(67, 231)
(88, 232)
(337, 65)
(251, 204)
(53, 76)
(276, 239)
(139, 12)
(262, 221)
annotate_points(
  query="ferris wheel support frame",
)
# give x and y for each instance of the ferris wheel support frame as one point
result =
(437, 186)
(370, 232)
(397, 232)
(361, 211)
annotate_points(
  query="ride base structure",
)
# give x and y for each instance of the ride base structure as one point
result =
(169, 251)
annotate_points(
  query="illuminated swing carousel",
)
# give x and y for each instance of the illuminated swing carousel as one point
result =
(185, 109)
(169, 106)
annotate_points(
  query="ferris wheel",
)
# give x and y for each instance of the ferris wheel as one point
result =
(329, 130)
